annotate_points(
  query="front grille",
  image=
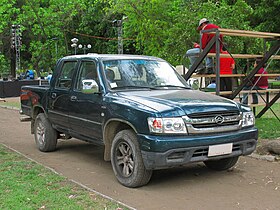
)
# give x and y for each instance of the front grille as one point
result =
(210, 122)
(213, 125)
(200, 153)
(204, 152)
(237, 147)
(212, 114)
(176, 155)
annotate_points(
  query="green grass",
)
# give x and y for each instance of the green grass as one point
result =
(27, 185)
(10, 104)
(274, 84)
(268, 124)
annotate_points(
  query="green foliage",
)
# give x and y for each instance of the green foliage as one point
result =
(167, 29)
(153, 27)
(265, 13)
(4, 66)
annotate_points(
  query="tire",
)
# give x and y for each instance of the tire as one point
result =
(222, 164)
(127, 162)
(45, 135)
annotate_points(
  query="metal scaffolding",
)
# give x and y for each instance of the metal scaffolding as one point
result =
(16, 43)
(268, 54)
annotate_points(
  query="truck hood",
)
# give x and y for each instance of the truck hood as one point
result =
(178, 102)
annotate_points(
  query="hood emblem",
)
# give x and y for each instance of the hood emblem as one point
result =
(219, 119)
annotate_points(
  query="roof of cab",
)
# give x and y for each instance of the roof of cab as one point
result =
(111, 56)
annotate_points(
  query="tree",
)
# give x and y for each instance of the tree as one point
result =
(165, 29)
(264, 16)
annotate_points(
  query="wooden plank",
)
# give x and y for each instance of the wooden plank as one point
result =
(249, 91)
(232, 75)
(246, 35)
(261, 91)
(235, 55)
(256, 34)
(276, 57)
(256, 105)
(222, 92)
(242, 56)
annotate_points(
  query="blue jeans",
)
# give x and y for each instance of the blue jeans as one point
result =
(254, 95)
(193, 54)
(209, 62)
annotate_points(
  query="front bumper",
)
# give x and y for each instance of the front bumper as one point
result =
(160, 152)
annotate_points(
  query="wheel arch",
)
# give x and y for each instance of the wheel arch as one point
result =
(36, 110)
(111, 128)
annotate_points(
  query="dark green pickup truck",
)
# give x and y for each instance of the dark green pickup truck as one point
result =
(142, 111)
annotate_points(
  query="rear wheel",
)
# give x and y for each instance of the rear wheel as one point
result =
(222, 164)
(127, 162)
(45, 135)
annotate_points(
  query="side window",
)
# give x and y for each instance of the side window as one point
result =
(66, 75)
(88, 79)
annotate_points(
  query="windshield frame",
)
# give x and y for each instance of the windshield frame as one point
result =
(142, 73)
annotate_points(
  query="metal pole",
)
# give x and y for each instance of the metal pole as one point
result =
(15, 45)
(217, 36)
(74, 41)
(85, 49)
(56, 50)
(120, 39)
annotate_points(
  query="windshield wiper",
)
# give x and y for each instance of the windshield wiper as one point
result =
(172, 86)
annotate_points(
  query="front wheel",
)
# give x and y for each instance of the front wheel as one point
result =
(222, 164)
(45, 135)
(127, 162)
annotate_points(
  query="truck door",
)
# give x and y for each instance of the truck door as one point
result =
(59, 95)
(85, 103)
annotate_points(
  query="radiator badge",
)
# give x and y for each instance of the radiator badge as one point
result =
(219, 119)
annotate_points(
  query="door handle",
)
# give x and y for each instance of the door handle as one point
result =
(73, 98)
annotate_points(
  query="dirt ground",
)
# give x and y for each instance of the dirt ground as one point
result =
(252, 184)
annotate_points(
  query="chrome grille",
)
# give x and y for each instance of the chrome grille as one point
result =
(212, 114)
(210, 122)
(212, 125)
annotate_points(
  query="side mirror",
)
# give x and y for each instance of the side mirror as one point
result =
(90, 86)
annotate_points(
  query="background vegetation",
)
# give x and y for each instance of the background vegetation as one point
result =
(153, 27)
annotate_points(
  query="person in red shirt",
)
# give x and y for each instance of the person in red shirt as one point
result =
(204, 24)
(258, 83)
(227, 65)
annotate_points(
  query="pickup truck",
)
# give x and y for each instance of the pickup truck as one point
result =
(143, 113)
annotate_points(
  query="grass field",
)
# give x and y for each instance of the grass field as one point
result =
(268, 124)
(27, 185)
(13, 104)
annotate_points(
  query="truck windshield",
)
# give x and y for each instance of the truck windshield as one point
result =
(138, 73)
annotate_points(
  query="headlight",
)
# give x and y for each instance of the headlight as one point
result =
(166, 125)
(248, 119)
